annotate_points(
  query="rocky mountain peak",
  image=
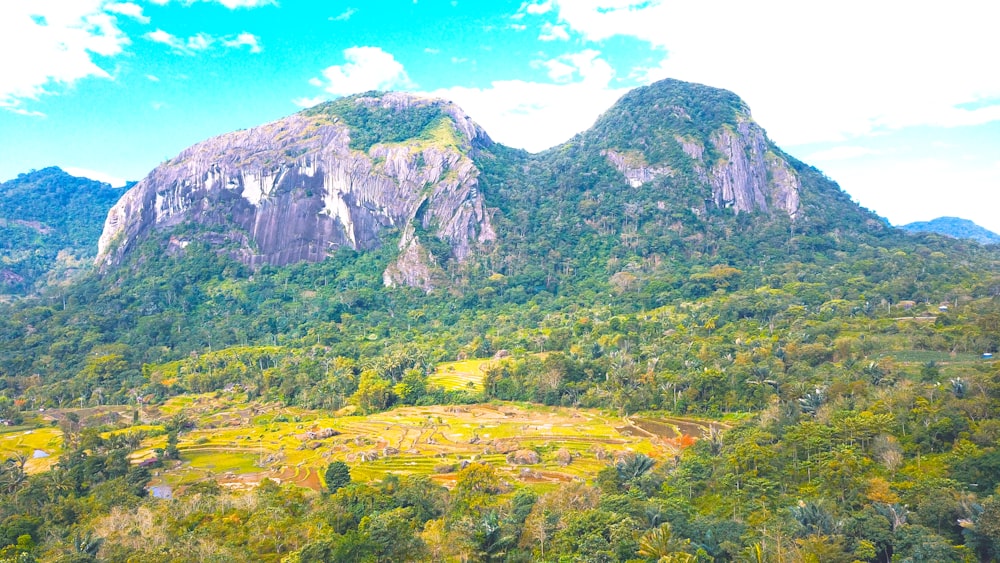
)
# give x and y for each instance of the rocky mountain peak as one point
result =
(339, 174)
(673, 127)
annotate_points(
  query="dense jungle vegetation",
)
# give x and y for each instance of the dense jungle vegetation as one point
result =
(49, 221)
(847, 356)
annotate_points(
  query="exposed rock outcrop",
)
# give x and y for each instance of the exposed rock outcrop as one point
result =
(295, 190)
(699, 138)
(749, 176)
(746, 175)
(523, 457)
(634, 167)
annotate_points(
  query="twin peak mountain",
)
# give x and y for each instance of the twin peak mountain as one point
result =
(418, 173)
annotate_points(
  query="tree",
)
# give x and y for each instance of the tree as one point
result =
(660, 545)
(337, 476)
(374, 393)
(393, 534)
(634, 466)
(490, 540)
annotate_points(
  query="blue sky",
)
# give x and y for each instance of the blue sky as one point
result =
(899, 102)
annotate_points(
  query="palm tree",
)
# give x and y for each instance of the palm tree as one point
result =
(811, 402)
(634, 466)
(86, 546)
(814, 519)
(660, 545)
(491, 539)
(12, 474)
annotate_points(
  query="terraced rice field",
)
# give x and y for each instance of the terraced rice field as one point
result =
(465, 375)
(240, 447)
(41, 447)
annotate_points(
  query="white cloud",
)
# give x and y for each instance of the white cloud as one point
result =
(309, 102)
(366, 68)
(203, 41)
(906, 190)
(95, 175)
(51, 43)
(200, 42)
(160, 36)
(244, 39)
(587, 65)
(344, 16)
(540, 115)
(552, 32)
(129, 9)
(536, 9)
(818, 72)
(152, 78)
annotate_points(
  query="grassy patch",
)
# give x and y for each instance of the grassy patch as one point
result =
(27, 442)
(221, 461)
(465, 375)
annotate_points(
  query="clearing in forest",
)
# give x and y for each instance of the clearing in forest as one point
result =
(238, 447)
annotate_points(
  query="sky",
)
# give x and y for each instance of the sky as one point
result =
(897, 101)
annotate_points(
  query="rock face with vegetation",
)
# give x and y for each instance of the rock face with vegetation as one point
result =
(49, 225)
(672, 127)
(394, 168)
(339, 175)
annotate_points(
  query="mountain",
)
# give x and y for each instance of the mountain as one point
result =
(337, 175)
(954, 227)
(264, 295)
(679, 159)
(49, 226)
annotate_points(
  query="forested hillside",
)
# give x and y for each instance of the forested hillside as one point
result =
(826, 379)
(49, 225)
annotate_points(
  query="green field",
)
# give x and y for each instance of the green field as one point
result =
(29, 442)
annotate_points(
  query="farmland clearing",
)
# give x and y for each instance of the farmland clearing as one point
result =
(537, 445)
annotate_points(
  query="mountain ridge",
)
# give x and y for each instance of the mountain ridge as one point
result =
(377, 167)
(795, 363)
(954, 227)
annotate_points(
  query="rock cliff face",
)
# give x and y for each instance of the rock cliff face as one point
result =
(634, 167)
(749, 176)
(673, 128)
(295, 190)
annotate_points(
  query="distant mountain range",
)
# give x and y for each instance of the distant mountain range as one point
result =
(954, 227)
